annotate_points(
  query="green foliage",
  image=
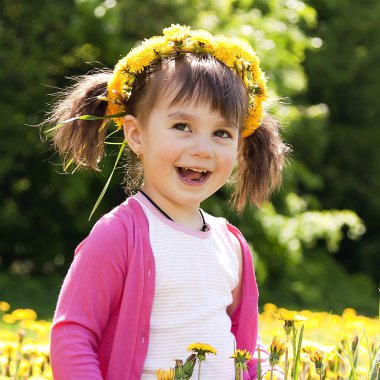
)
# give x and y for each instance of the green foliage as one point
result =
(349, 164)
(329, 117)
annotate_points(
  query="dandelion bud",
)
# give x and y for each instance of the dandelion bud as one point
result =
(178, 369)
(277, 348)
(189, 365)
(354, 344)
(316, 357)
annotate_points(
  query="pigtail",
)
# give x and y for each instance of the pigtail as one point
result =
(261, 160)
(81, 141)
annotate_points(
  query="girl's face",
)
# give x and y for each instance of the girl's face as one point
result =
(188, 153)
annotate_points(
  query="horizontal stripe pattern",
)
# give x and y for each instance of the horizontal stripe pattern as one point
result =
(195, 275)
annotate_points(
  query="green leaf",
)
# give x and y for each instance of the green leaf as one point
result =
(259, 363)
(86, 117)
(109, 179)
(298, 353)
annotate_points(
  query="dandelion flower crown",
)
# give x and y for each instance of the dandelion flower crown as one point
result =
(235, 53)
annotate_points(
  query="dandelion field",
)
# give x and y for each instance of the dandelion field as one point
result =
(329, 346)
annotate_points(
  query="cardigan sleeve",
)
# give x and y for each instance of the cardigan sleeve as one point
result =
(245, 317)
(90, 293)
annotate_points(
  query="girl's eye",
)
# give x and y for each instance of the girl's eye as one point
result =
(223, 134)
(182, 127)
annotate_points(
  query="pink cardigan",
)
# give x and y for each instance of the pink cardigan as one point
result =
(101, 324)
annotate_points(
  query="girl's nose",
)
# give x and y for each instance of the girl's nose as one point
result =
(202, 147)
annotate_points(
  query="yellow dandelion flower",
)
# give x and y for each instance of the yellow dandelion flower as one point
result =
(24, 314)
(165, 374)
(269, 308)
(289, 317)
(277, 349)
(8, 336)
(316, 356)
(242, 355)
(225, 50)
(160, 46)
(349, 313)
(269, 376)
(262, 94)
(4, 306)
(176, 32)
(115, 94)
(241, 358)
(244, 50)
(9, 318)
(36, 326)
(115, 84)
(139, 58)
(201, 347)
(200, 40)
(253, 120)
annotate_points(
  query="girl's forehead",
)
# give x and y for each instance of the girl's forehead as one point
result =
(186, 108)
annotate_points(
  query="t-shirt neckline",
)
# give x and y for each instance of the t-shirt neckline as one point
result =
(171, 223)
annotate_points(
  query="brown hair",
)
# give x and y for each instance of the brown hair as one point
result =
(200, 79)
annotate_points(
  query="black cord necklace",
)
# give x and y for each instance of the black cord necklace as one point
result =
(204, 226)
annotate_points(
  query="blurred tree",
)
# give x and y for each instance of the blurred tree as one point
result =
(345, 75)
(43, 213)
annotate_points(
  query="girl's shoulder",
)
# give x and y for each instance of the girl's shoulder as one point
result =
(222, 222)
(118, 226)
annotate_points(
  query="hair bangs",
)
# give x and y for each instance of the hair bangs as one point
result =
(204, 81)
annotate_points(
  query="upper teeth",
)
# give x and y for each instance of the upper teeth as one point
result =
(196, 170)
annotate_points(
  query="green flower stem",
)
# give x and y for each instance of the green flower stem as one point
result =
(199, 370)
(271, 372)
(286, 358)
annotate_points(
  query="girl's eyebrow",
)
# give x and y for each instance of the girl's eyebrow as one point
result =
(187, 116)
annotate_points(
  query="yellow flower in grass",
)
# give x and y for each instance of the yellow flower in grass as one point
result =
(277, 349)
(201, 349)
(4, 306)
(165, 374)
(290, 318)
(269, 376)
(316, 357)
(9, 318)
(241, 355)
(25, 314)
(241, 358)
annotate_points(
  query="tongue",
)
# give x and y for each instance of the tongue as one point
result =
(191, 175)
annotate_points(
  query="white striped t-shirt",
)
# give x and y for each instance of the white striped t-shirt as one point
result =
(195, 275)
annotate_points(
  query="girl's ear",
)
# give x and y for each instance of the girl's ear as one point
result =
(132, 133)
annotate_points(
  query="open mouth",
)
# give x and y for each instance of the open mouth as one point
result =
(193, 175)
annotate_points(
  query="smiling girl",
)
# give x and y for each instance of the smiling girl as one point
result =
(158, 273)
